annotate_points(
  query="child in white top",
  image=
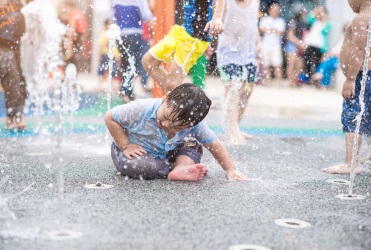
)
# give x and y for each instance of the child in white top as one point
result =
(273, 28)
(236, 57)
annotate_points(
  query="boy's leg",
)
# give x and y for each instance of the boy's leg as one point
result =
(350, 111)
(187, 166)
(166, 80)
(144, 75)
(345, 168)
(146, 166)
(127, 49)
(245, 93)
(367, 160)
(267, 63)
(277, 65)
(154, 69)
(233, 102)
(237, 95)
(14, 90)
(291, 72)
(175, 77)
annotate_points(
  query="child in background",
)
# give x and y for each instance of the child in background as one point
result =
(330, 62)
(273, 27)
(104, 58)
(352, 57)
(78, 29)
(237, 60)
(163, 138)
(316, 41)
(183, 45)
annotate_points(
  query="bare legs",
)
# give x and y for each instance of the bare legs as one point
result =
(367, 160)
(294, 66)
(149, 167)
(277, 75)
(166, 80)
(244, 94)
(345, 168)
(237, 96)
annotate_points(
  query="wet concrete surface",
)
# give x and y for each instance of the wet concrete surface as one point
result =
(286, 182)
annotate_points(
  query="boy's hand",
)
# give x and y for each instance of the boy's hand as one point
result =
(133, 150)
(234, 175)
(215, 26)
(348, 89)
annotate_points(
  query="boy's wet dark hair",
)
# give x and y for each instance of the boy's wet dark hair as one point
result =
(189, 103)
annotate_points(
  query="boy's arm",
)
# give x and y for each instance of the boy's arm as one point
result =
(215, 26)
(120, 137)
(353, 54)
(221, 154)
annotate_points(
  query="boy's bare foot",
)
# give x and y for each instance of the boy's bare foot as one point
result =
(9, 123)
(247, 136)
(341, 169)
(237, 140)
(366, 160)
(19, 122)
(188, 172)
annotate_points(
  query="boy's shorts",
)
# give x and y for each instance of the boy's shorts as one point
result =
(246, 73)
(352, 108)
(148, 167)
(191, 148)
(178, 45)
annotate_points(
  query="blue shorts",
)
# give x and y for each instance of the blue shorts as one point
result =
(192, 149)
(246, 73)
(291, 48)
(352, 108)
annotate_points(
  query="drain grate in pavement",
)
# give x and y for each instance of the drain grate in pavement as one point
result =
(98, 185)
(350, 197)
(62, 235)
(248, 247)
(338, 181)
(292, 223)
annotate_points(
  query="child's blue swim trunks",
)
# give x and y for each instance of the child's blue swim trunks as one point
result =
(352, 108)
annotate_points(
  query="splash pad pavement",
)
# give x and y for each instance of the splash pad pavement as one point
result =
(284, 162)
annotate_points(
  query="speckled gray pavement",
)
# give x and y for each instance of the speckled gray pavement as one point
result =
(283, 162)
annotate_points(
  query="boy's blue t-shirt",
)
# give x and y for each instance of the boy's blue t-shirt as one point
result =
(129, 15)
(138, 118)
(196, 14)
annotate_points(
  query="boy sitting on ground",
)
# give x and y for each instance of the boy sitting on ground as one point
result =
(163, 138)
